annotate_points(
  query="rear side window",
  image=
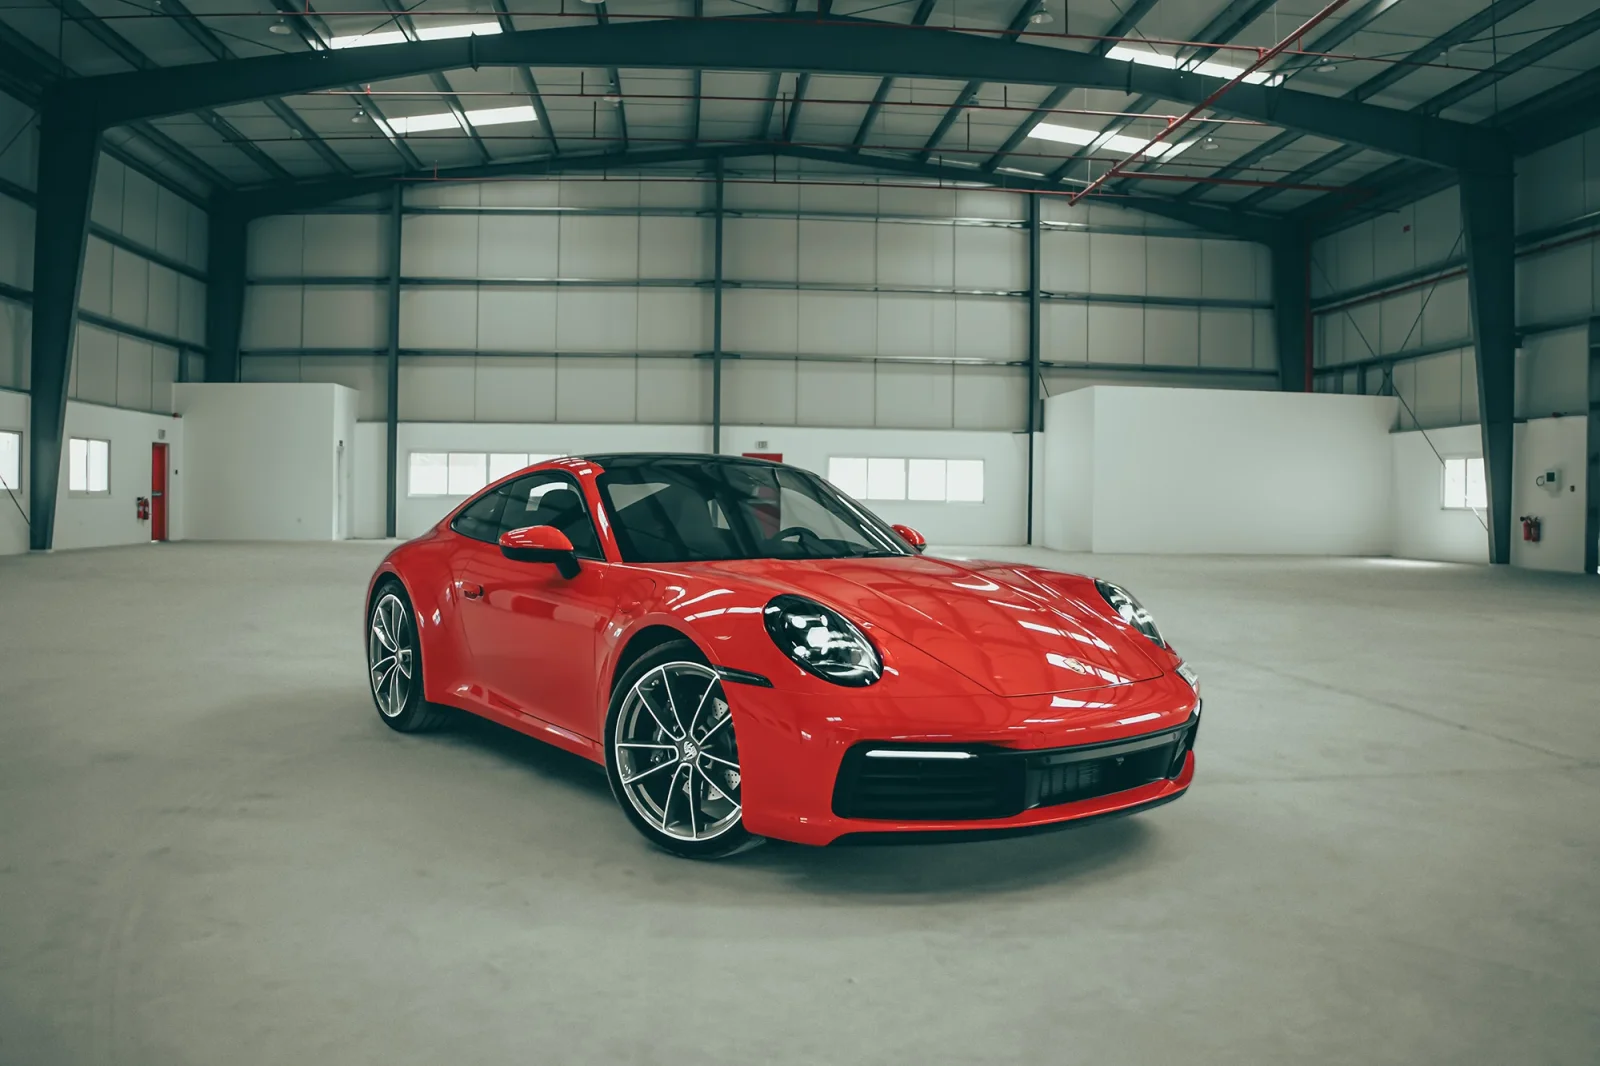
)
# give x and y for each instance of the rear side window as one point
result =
(550, 500)
(481, 519)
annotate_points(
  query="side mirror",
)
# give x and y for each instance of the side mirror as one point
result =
(540, 544)
(913, 538)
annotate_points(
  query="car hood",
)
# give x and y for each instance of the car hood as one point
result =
(1016, 631)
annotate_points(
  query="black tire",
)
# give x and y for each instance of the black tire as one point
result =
(680, 659)
(392, 640)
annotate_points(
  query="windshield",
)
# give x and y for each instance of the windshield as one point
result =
(680, 510)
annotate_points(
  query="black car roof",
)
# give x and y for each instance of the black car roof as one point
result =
(620, 460)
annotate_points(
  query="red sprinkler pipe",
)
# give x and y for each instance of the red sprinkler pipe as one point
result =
(1172, 127)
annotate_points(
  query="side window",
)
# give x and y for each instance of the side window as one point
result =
(481, 519)
(550, 500)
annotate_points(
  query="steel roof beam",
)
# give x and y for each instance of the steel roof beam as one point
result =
(452, 102)
(530, 85)
(603, 18)
(839, 46)
(918, 18)
(969, 91)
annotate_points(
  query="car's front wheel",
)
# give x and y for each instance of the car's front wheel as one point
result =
(394, 663)
(672, 755)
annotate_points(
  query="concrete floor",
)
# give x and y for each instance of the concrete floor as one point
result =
(212, 851)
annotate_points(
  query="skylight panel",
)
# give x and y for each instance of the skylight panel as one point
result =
(489, 116)
(424, 31)
(1208, 67)
(1116, 142)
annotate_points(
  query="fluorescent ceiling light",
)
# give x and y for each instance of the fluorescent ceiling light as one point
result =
(426, 33)
(1117, 142)
(491, 116)
(1215, 70)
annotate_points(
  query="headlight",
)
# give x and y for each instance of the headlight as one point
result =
(1131, 611)
(1186, 672)
(822, 641)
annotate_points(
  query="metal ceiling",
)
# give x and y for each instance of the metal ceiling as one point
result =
(1418, 81)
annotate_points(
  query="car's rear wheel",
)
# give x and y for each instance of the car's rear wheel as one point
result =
(394, 663)
(673, 757)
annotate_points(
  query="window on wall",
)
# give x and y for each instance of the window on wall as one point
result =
(89, 466)
(10, 461)
(1464, 486)
(922, 480)
(463, 473)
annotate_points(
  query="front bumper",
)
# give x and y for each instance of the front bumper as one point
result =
(1025, 763)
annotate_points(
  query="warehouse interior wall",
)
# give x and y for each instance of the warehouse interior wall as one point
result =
(1423, 527)
(1064, 506)
(265, 460)
(1182, 471)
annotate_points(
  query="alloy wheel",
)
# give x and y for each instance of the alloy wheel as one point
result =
(389, 655)
(676, 754)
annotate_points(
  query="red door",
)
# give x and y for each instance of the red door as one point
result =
(158, 492)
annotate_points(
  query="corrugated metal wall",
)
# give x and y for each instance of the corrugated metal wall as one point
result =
(878, 306)
(142, 305)
(1363, 337)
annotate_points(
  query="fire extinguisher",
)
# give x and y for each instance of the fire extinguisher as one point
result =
(142, 508)
(1530, 528)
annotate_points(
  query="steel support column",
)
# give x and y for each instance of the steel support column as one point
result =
(1591, 509)
(716, 319)
(69, 152)
(1488, 217)
(1033, 422)
(392, 402)
(226, 241)
(1291, 309)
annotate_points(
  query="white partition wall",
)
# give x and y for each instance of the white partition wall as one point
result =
(1187, 471)
(269, 461)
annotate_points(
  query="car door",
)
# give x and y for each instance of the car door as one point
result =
(534, 634)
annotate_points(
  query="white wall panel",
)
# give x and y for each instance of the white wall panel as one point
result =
(676, 247)
(135, 366)
(1447, 316)
(674, 391)
(16, 243)
(1265, 336)
(602, 248)
(346, 317)
(94, 294)
(275, 246)
(839, 252)
(1394, 242)
(518, 246)
(915, 325)
(835, 394)
(990, 397)
(272, 317)
(914, 396)
(1361, 325)
(855, 199)
(140, 200)
(596, 390)
(761, 196)
(95, 368)
(838, 323)
(163, 300)
(1226, 338)
(760, 249)
(1555, 286)
(191, 310)
(991, 328)
(515, 389)
(761, 320)
(1064, 261)
(16, 334)
(1549, 185)
(991, 258)
(197, 252)
(601, 192)
(516, 319)
(1437, 396)
(1116, 264)
(932, 203)
(439, 246)
(1064, 331)
(1438, 222)
(439, 317)
(674, 320)
(130, 287)
(1552, 374)
(367, 374)
(172, 224)
(1116, 334)
(597, 320)
(164, 373)
(437, 389)
(1172, 336)
(458, 194)
(990, 203)
(1400, 322)
(1173, 267)
(759, 391)
(1228, 270)
(346, 246)
(915, 254)
(105, 208)
(269, 367)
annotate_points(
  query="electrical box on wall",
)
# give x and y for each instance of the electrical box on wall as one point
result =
(1550, 480)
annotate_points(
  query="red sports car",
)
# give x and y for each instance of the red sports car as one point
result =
(751, 654)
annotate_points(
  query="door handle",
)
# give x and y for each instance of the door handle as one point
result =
(470, 591)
